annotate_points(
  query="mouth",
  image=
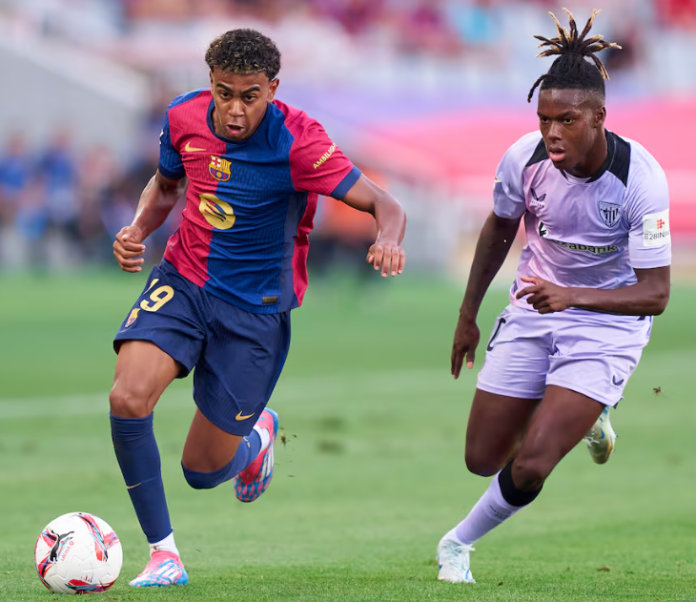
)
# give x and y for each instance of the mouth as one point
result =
(555, 153)
(234, 129)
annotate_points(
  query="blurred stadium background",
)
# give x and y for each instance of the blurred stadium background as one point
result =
(425, 96)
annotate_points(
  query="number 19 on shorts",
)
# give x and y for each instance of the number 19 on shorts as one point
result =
(158, 297)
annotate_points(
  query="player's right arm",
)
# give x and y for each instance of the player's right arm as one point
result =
(158, 199)
(493, 245)
(156, 202)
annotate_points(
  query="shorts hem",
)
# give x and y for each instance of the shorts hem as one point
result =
(184, 368)
(508, 392)
(591, 394)
(241, 429)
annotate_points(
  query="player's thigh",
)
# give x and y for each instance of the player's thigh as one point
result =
(517, 355)
(143, 372)
(596, 354)
(510, 385)
(558, 425)
(208, 448)
(496, 426)
(161, 339)
(240, 366)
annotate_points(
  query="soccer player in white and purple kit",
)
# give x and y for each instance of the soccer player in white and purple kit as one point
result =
(594, 271)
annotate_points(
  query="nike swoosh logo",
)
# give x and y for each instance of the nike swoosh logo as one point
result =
(132, 486)
(192, 149)
(240, 417)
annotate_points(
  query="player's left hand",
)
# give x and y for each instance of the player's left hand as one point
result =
(386, 256)
(544, 296)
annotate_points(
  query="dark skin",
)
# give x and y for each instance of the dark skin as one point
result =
(538, 433)
(143, 370)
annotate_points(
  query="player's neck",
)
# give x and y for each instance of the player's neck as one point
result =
(594, 159)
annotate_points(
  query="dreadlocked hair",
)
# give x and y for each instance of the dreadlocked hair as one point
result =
(244, 51)
(570, 70)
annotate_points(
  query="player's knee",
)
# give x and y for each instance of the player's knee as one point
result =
(529, 473)
(202, 480)
(481, 465)
(129, 402)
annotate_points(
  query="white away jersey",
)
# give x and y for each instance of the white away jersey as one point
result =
(585, 232)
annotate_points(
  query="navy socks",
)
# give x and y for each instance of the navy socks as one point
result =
(247, 451)
(139, 459)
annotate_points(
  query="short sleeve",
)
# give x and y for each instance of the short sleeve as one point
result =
(318, 165)
(508, 197)
(171, 164)
(649, 241)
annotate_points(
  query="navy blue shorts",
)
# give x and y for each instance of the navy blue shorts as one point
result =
(238, 355)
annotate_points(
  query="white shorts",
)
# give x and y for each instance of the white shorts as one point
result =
(591, 353)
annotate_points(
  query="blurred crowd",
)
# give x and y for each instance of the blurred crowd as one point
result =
(60, 205)
(440, 27)
(63, 190)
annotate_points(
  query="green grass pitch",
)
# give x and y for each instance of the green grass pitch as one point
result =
(372, 473)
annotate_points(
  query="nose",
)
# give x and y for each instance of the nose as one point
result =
(554, 132)
(236, 108)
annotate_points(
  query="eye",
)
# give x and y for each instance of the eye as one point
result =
(224, 95)
(568, 121)
(249, 98)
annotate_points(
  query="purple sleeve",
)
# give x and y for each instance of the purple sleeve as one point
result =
(649, 240)
(508, 197)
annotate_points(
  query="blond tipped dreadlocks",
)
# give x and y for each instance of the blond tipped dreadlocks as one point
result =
(570, 70)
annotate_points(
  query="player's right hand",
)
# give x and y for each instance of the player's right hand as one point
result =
(128, 249)
(466, 339)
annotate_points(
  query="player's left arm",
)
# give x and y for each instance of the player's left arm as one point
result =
(390, 216)
(649, 250)
(317, 165)
(647, 297)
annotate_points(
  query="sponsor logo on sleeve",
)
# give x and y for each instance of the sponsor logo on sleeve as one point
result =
(656, 229)
(325, 156)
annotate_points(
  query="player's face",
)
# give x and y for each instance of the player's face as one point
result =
(572, 125)
(240, 102)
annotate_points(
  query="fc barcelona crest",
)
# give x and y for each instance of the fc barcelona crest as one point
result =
(132, 317)
(219, 168)
(610, 212)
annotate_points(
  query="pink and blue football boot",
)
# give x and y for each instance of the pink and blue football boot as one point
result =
(255, 479)
(164, 569)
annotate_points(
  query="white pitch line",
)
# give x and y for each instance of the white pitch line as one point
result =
(294, 390)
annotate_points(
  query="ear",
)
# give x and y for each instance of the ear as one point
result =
(600, 117)
(272, 89)
(211, 79)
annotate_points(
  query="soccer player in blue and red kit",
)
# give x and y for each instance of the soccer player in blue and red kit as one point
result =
(251, 168)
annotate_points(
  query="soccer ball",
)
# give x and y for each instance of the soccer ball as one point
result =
(78, 553)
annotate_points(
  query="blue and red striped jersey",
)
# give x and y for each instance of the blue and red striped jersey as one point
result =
(249, 205)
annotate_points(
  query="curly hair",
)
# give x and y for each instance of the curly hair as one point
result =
(570, 70)
(244, 51)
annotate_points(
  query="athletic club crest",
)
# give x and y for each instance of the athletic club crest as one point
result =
(219, 168)
(610, 212)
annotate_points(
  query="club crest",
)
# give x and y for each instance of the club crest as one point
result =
(610, 213)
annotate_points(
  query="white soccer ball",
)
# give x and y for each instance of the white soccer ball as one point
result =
(78, 553)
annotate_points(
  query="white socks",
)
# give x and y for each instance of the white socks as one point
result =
(265, 438)
(166, 545)
(488, 513)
